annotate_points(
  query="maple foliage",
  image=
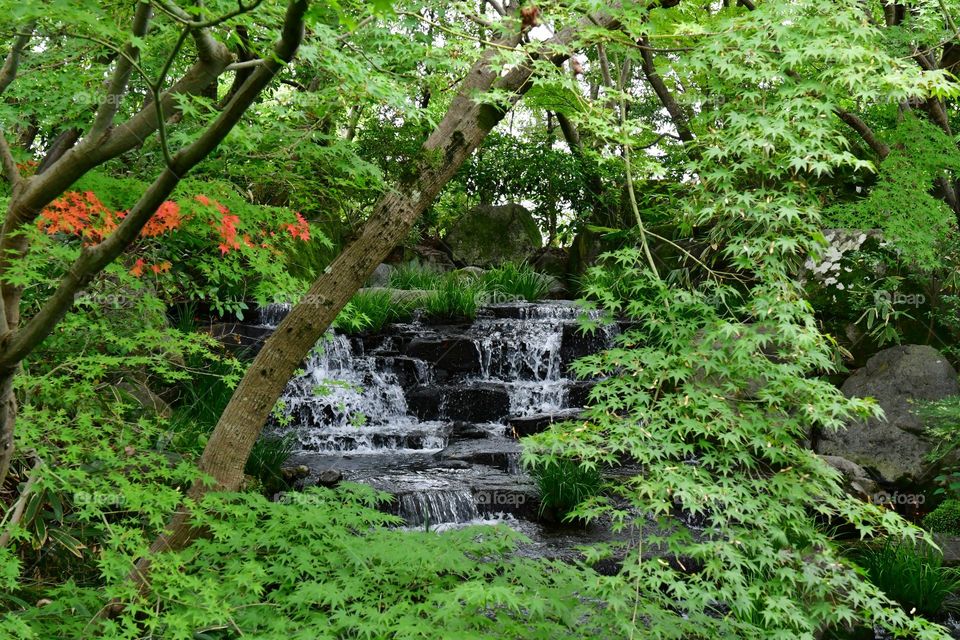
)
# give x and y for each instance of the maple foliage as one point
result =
(83, 214)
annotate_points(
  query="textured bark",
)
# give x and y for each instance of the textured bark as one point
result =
(461, 131)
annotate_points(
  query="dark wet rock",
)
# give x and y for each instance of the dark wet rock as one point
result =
(452, 464)
(329, 478)
(138, 390)
(856, 481)
(460, 430)
(432, 257)
(292, 474)
(578, 394)
(240, 337)
(950, 545)
(483, 402)
(425, 402)
(409, 371)
(451, 353)
(895, 448)
(530, 425)
(576, 343)
(501, 453)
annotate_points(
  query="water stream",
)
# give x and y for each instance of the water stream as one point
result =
(430, 413)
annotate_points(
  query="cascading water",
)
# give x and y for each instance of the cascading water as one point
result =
(427, 412)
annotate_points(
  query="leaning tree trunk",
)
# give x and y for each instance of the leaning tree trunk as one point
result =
(463, 128)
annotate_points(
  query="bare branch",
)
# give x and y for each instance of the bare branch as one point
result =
(246, 64)
(497, 7)
(8, 72)
(677, 116)
(862, 128)
(184, 18)
(121, 74)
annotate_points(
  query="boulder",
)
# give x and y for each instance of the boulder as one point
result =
(380, 276)
(500, 454)
(856, 481)
(459, 430)
(895, 448)
(492, 235)
(329, 478)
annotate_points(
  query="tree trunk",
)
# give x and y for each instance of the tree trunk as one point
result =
(8, 415)
(465, 125)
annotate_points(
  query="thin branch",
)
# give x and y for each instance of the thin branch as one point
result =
(207, 45)
(497, 7)
(117, 86)
(629, 171)
(677, 116)
(184, 18)
(8, 72)
(879, 147)
(246, 64)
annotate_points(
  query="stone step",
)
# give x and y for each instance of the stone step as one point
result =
(523, 426)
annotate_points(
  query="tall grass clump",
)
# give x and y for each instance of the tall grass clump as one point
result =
(564, 483)
(413, 275)
(516, 281)
(912, 574)
(371, 310)
(453, 299)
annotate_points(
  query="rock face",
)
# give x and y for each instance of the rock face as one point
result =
(380, 276)
(856, 481)
(895, 448)
(492, 235)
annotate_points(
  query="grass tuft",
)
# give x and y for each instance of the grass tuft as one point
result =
(911, 574)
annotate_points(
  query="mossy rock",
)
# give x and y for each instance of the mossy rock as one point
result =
(493, 235)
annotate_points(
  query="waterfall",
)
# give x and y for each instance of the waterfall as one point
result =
(431, 424)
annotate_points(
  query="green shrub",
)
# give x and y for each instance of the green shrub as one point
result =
(371, 310)
(517, 281)
(564, 483)
(323, 564)
(944, 519)
(911, 574)
(415, 276)
(453, 299)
